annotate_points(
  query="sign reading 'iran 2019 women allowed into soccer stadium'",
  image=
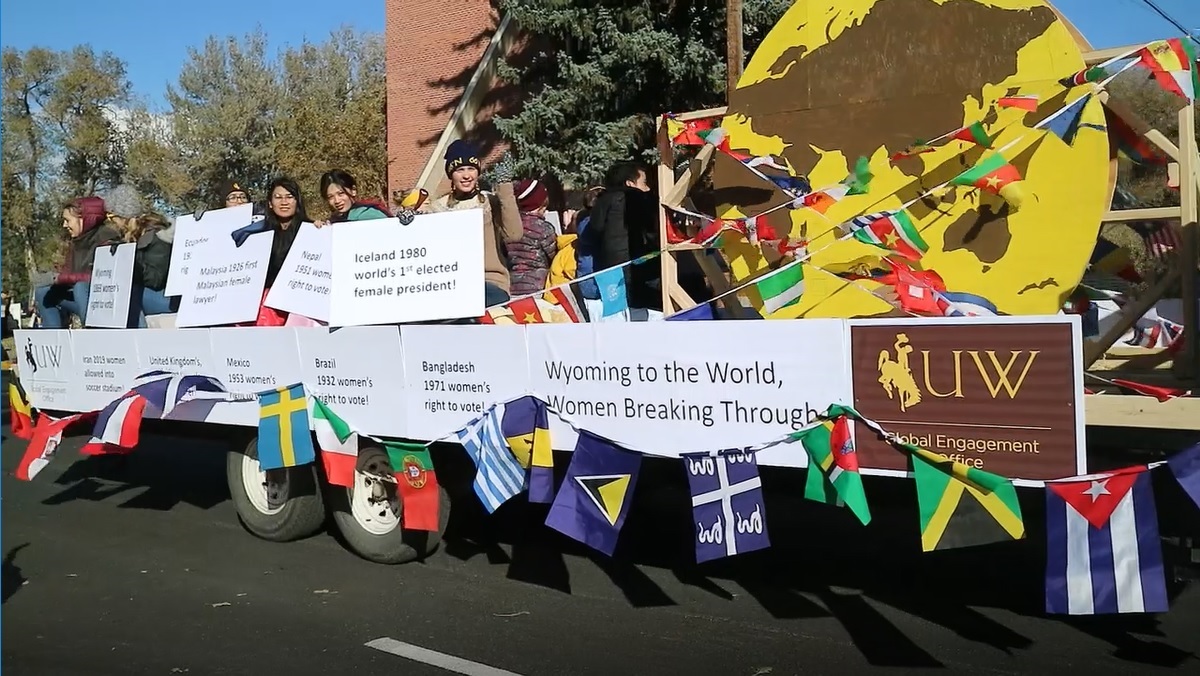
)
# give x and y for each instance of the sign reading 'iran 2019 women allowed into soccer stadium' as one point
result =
(385, 272)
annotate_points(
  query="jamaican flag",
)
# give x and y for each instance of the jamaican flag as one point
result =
(962, 506)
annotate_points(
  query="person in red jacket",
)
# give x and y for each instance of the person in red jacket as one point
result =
(84, 221)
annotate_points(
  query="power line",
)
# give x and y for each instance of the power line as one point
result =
(1173, 21)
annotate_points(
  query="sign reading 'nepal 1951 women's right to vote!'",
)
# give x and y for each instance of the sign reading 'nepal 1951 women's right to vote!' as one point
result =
(1004, 397)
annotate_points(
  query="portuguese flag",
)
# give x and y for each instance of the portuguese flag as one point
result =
(833, 476)
(994, 175)
(973, 133)
(962, 506)
(416, 482)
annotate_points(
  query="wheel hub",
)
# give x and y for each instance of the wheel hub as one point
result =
(374, 502)
(266, 490)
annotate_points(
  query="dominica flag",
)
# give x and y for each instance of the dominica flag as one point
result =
(995, 175)
(891, 230)
(962, 506)
(283, 436)
(781, 288)
(833, 476)
(1093, 74)
(1026, 102)
(1173, 63)
(338, 442)
(416, 482)
(973, 133)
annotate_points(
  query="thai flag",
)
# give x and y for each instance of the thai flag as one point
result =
(955, 304)
(119, 422)
(1103, 553)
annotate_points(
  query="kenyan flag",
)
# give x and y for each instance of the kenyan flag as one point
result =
(416, 483)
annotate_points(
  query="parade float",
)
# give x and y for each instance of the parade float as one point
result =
(907, 191)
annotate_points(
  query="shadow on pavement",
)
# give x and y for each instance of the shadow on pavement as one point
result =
(11, 577)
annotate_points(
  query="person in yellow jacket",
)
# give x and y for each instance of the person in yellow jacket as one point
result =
(562, 267)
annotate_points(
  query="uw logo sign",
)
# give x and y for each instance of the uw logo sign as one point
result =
(39, 356)
(901, 384)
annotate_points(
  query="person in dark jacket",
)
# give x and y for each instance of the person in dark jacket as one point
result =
(152, 253)
(84, 221)
(340, 191)
(529, 259)
(623, 225)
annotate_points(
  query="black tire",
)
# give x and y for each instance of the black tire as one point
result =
(396, 546)
(303, 507)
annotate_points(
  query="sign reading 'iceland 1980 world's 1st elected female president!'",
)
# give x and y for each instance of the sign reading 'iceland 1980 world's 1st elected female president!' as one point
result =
(1004, 396)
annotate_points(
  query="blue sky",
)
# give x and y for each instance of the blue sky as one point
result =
(153, 36)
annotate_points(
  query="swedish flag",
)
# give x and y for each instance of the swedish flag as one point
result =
(283, 436)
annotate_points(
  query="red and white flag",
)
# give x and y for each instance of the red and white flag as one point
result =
(47, 435)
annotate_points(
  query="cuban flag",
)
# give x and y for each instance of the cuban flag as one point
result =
(955, 304)
(1103, 553)
(727, 504)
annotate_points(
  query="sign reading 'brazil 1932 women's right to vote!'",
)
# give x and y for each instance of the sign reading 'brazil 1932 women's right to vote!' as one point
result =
(1002, 395)
(385, 272)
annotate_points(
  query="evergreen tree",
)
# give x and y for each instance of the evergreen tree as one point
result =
(597, 73)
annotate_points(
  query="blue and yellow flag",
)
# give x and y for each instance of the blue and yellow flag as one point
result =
(283, 436)
(526, 427)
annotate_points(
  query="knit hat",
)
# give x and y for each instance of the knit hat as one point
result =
(531, 194)
(123, 201)
(230, 186)
(461, 154)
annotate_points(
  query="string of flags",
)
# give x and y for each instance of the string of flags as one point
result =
(1103, 548)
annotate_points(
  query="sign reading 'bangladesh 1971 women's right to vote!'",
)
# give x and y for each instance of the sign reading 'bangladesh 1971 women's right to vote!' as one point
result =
(385, 272)
(1002, 394)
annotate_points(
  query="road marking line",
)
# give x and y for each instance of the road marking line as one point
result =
(432, 657)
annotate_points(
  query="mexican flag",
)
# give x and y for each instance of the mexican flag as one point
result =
(973, 133)
(833, 476)
(339, 444)
(997, 176)
(781, 288)
(416, 482)
(1173, 63)
(891, 230)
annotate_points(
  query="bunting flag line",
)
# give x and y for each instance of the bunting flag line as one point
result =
(119, 423)
(890, 230)
(973, 133)
(956, 304)
(20, 413)
(526, 427)
(995, 175)
(243, 233)
(1173, 65)
(338, 443)
(499, 475)
(833, 476)
(727, 504)
(781, 288)
(417, 484)
(1087, 75)
(1103, 553)
(595, 496)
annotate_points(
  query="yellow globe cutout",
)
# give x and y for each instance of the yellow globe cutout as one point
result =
(838, 79)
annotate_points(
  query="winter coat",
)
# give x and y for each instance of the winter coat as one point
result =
(81, 250)
(281, 245)
(499, 230)
(529, 259)
(563, 267)
(624, 226)
(366, 210)
(152, 258)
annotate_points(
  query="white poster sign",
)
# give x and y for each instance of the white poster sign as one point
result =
(229, 285)
(303, 284)
(112, 283)
(107, 365)
(46, 366)
(359, 372)
(388, 273)
(252, 360)
(187, 351)
(654, 387)
(190, 234)
(454, 373)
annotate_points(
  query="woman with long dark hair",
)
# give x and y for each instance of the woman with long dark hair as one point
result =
(340, 191)
(285, 213)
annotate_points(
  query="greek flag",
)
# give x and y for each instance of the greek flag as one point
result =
(499, 475)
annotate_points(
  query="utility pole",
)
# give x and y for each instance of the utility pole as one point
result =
(733, 45)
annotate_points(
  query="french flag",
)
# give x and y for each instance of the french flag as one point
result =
(119, 422)
(1103, 553)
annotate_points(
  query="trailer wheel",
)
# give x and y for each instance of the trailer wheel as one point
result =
(279, 505)
(369, 514)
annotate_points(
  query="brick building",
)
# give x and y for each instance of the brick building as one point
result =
(434, 77)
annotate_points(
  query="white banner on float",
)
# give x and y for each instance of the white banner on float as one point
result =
(388, 273)
(303, 284)
(187, 351)
(107, 364)
(359, 372)
(228, 288)
(46, 366)
(191, 234)
(251, 360)
(664, 389)
(112, 284)
(454, 373)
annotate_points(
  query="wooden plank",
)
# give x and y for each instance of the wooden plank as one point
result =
(1154, 214)
(1132, 311)
(1098, 56)
(666, 182)
(695, 169)
(701, 114)
(1112, 410)
(1187, 361)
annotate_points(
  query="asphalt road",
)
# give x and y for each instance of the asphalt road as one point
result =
(143, 569)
